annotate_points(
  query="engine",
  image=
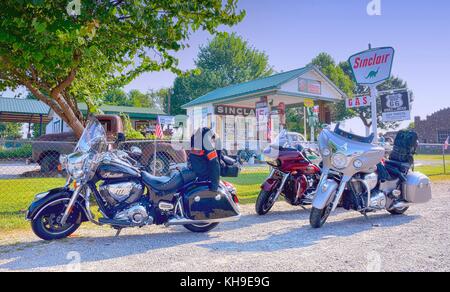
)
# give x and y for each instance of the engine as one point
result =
(359, 200)
(115, 194)
(125, 199)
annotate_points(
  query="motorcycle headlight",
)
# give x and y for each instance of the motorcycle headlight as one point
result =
(63, 161)
(339, 160)
(75, 164)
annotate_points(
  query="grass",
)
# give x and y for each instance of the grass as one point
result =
(430, 157)
(17, 194)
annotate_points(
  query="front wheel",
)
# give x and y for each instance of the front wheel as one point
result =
(319, 217)
(47, 225)
(265, 202)
(200, 228)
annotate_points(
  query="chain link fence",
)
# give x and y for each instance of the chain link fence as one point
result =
(30, 167)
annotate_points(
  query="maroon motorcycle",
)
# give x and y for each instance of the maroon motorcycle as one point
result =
(293, 175)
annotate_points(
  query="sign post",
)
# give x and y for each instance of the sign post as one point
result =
(371, 68)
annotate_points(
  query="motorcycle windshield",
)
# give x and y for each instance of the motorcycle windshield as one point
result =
(93, 138)
(282, 140)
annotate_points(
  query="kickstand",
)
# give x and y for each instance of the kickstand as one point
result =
(118, 231)
(368, 219)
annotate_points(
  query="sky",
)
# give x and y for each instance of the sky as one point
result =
(293, 32)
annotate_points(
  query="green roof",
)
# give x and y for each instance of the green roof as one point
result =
(23, 106)
(132, 112)
(252, 87)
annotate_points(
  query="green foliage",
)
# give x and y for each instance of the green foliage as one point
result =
(129, 131)
(36, 130)
(63, 59)
(24, 151)
(225, 60)
(10, 131)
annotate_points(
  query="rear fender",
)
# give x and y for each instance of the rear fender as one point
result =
(62, 194)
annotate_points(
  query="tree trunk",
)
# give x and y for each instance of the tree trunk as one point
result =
(72, 120)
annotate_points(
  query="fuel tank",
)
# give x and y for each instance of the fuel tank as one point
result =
(112, 170)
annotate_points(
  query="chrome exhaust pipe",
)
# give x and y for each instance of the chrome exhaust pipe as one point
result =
(184, 221)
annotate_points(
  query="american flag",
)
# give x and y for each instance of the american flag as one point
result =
(158, 131)
(446, 143)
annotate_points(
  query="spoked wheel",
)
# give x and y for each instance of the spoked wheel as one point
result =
(48, 225)
(201, 228)
(319, 217)
(265, 202)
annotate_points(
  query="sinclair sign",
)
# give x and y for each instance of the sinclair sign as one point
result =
(372, 66)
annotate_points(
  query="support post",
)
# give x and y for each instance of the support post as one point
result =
(373, 96)
(40, 125)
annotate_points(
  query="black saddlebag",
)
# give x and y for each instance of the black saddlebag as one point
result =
(202, 204)
(405, 146)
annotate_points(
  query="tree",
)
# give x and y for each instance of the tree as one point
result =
(227, 59)
(159, 99)
(139, 99)
(116, 97)
(10, 131)
(63, 58)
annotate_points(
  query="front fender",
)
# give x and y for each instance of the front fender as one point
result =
(269, 185)
(53, 195)
(324, 194)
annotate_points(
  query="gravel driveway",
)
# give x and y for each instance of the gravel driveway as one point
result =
(280, 241)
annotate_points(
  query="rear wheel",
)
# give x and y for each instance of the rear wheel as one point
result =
(265, 202)
(47, 225)
(200, 228)
(319, 217)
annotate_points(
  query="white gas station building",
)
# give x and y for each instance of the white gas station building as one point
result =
(246, 114)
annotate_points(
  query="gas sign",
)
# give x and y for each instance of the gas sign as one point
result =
(358, 101)
(372, 66)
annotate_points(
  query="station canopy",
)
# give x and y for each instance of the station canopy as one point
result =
(290, 88)
(16, 110)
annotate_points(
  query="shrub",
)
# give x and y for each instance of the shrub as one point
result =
(23, 151)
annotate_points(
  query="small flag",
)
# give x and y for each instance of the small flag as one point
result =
(446, 143)
(158, 130)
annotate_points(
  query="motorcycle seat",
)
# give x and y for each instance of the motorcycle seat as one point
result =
(402, 166)
(169, 183)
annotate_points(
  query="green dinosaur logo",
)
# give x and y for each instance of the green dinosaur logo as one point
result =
(373, 74)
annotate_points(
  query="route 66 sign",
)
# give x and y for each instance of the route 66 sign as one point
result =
(372, 66)
(395, 107)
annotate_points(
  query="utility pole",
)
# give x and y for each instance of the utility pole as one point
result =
(169, 97)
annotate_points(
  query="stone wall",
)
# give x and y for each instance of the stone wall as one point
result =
(429, 128)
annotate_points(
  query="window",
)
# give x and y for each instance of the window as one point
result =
(443, 135)
(57, 127)
(142, 126)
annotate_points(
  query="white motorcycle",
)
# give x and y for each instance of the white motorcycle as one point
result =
(355, 177)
